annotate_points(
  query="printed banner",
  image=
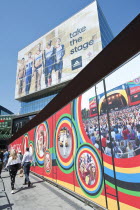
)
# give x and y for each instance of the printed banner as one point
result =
(59, 55)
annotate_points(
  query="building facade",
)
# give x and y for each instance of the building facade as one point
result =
(4, 111)
(5, 126)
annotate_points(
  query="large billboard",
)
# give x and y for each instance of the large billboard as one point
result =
(59, 55)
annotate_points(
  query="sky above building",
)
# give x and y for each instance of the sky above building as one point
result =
(22, 22)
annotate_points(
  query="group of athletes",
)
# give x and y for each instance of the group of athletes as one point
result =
(43, 61)
(125, 132)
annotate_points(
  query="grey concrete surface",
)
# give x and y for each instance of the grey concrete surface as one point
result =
(41, 196)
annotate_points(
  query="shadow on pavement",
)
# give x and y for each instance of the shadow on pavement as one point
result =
(2, 196)
(38, 182)
(25, 188)
(6, 206)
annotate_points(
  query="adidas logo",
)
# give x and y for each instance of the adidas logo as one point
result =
(77, 63)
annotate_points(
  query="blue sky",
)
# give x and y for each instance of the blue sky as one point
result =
(22, 22)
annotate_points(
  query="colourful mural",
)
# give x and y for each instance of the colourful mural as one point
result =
(97, 157)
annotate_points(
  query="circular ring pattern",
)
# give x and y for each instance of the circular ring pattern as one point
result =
(66, 148)
(25, 143)
(41, 142)
(47, 162)
(31, 149)
(88, 170)
(79, 121)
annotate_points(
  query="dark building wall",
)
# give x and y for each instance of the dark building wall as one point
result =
(4, 111)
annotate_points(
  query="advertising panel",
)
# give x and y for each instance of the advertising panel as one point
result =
(92, 106)
(5, 127)
(59, 55)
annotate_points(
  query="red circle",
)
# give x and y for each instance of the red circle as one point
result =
(45, 136)
(24, 140)
(48, 171)
(71, 152)
(89, 186)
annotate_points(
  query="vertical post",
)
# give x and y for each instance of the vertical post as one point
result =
(114, 172)
(71, 108)
(101, 145)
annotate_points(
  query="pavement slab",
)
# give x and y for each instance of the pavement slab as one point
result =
(41, 196)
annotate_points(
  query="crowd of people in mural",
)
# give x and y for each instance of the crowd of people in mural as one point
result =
(123, 134)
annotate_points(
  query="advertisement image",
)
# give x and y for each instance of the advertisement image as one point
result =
(59, 55)
(122, 106)
(64, 142)
(87, 169)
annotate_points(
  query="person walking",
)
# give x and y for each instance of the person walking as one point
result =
(21, 169)
(1, 162)
(26, 162)
(20, 155)
(5, 158)
(13, 163)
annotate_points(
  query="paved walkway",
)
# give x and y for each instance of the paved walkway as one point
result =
(40, 196)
